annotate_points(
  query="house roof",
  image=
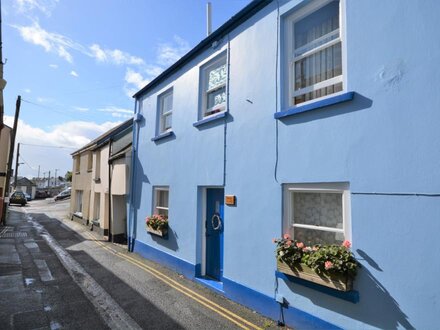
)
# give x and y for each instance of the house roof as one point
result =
(23, 181)
(104, 138)
(243, 15)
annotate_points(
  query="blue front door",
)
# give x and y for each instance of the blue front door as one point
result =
(214, 232)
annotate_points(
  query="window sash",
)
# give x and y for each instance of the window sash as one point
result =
(214, 84)
(316, 49)
(166, 121)
(310, 48)
(166, 111)
(341, 229)
(323, 84)
(308, 90)
(161, 199)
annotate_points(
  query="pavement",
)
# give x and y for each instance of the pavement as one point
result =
(56, 274)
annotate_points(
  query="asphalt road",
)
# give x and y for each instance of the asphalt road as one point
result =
(55, 273)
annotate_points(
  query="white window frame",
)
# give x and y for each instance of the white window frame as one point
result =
(289, 64)
(162, 115)
(156, 207)
(204, 70)
(337, 187)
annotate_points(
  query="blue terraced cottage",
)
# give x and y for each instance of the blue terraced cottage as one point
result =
(315, 118)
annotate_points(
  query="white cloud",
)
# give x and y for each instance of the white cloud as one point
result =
(73, 73)
(71, 135)
(62, 46)
(53, 66)
(81, 109)
(45, 6)
(168, 54)
(114, 56)
(117, 112)
(135, 78)
(51, 42)
(27, 90)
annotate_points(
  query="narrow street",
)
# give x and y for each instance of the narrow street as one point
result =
(55, 273)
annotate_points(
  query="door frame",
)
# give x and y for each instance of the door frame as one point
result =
(203, 231)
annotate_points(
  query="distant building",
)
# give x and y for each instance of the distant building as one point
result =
(100, 182)
(25, 185)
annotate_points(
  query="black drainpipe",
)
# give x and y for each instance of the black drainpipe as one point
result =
(110, 236)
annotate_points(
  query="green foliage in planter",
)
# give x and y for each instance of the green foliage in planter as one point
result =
(323, 259)
(157, 221)
(328, 259)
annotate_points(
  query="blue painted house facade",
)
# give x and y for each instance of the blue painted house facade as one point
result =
(313, 118)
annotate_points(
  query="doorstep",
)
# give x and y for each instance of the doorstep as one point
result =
(211, 283)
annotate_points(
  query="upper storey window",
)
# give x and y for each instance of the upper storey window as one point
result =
(314, 52)
(214, 77)
(165, 111)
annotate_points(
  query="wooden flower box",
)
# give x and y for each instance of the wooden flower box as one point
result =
(339, 282)
(158, 232)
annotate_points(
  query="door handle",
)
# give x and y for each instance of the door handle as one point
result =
(216, 217)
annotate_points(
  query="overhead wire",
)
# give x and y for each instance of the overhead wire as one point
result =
(47, 146)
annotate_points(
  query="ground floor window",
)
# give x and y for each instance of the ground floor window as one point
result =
(317, 213)
(161, 195)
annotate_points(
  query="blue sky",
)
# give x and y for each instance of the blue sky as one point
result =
(76, 65)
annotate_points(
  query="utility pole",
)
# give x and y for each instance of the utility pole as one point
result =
(16, 166)
(56, 170)
(48, 182)
(2, 81)
(38, 176)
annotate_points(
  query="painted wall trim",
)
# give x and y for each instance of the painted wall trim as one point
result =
(162, 136)
(351, 296)
(269, 307)
(210, 119)
(348, 96)
(178, 265)
(255, 300)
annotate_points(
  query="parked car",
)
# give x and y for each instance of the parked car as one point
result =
(41, 194)
(28, 197)
(63, 195)
(17, 197)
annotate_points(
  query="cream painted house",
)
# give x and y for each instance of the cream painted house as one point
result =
(103, 170)
(5, 141)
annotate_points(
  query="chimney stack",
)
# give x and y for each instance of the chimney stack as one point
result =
(208, 19)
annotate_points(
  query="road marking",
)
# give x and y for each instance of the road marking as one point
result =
(236, 319)
(112, 314)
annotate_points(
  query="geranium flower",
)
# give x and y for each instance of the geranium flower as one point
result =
(288, 243)
(300, 245)
(347, 244)
(274, 240)
(328, 265)
(287, 236)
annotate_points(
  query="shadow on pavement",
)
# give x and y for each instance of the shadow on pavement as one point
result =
(140, 309)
